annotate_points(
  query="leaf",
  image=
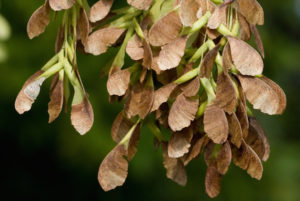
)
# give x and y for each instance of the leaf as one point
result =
(171, 54)
(258, 140)
(113, 169)
(246, 59)
(118, 82)
(215, 124)
(182, 112)
(84, 26)
(165, 30)
(226, 97)
(56, 98)
(120, 127)
(140, 4)
(208, 62)
(235, 130)
(213, 181)
(258, 41)
(100, 40)
(196, 149)
(252, 11)
(39, 20)
(29, 93)
(140, 101)
(100, 10)
(58, 5)
(188, 11)
(218, 17)
(264, 94)
(82, 116)
(224, 158)
(175, 168)
(135, 48)
(162, 95)
(180, 143)
(191, 88)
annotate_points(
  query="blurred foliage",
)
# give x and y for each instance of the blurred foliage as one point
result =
(46, 162)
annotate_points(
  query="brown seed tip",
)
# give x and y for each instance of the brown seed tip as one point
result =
(100, 10)
(82, 116)
(29, 93)
(58, 5)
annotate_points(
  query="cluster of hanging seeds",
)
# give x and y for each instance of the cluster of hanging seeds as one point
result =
(192, 79)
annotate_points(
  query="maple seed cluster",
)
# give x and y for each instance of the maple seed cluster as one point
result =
(192, 78)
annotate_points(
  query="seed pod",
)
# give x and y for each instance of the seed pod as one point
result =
(180, 143)
(191, 88)
(246, 58)
(252, 10)
(56, 98)
(212, 181)
(175, 168)
(218, 17)
(29, 93)
(58, 5)
(215, 124)
(100, 40)
(135, 48)
(208, 62)
(118, 82)
(82, 116)
(120, 127)
(140, 4)
(100, 10)
(189, 12)
(196, 149)
(39, 21)
(235, 130)
(162, 95)
(165, 30)
(182, 112)
(264, 94)
(84, 26)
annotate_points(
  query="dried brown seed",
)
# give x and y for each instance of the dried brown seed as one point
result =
(226, 58)
(165, 30)
(118, 82)
(82, 116)
(162, 95)
(209, 155)
(188, 12)
(196, 149)
(241, 113)
(226, 97)
(175, 168)
(213, 181)
(29, 93)
(208, 62)
(171, 54)
(180, 143)
(140, 101)
(100, 10)
(206, 5)
(140, 4)
(252, 10)
(246, 59)
(218, 17)
(135, 48)
(264, 94)
(241, 156)
(161, 115)
(38, 21)
(100, 40)
(56, 98)
(235, 130)
(191, 88)
(133, 143)
(258, 140)
(148, 57)
(84, 26)
(58, 5)
(113, 169)
(215, 124)
(255, 168)
(120, 127)
(224, 158)
(245, 33)
(258, 41)
(182, 112)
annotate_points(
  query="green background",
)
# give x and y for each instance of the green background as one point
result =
(50, 162)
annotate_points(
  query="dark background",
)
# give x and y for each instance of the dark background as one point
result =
(52, 162)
